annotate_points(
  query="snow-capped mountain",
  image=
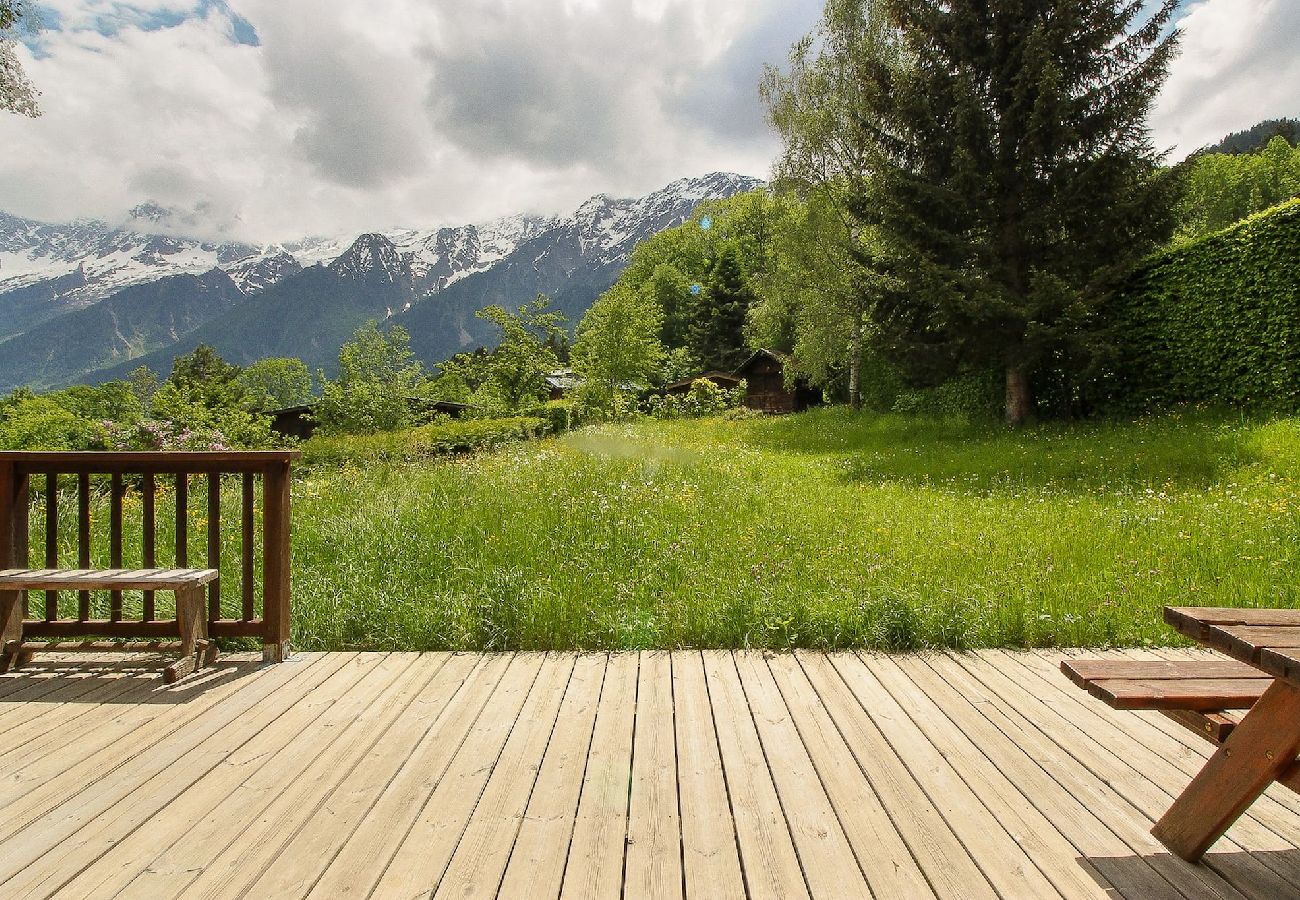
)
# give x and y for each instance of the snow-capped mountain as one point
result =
(431, 281)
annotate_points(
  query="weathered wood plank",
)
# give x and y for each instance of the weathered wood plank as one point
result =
(653, 856)
(1184, 693)
(1081, 671)
(710, 855)
(595, 864)
(536, 865)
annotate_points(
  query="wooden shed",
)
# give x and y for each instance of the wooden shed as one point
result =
(766, 390)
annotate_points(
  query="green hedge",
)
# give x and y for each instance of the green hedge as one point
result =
(454, 436)
(1215, 321)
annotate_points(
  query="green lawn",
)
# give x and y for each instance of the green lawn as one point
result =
(826, 529)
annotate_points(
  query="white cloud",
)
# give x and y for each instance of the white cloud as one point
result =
(344, 117)
(405, 113)
(1238, 66)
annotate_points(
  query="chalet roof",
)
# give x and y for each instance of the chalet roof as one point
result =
(778, 357)
(564, 379)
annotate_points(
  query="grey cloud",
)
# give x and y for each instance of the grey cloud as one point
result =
(723, 97)
(344, 88)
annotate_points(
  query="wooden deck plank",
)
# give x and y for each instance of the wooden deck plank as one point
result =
(997, 852)
(710, 857)
(1113, 754)
(99, 810)
(423, 853)
(945, 861)
(767, 853)
(831, 868)
(890, 868)
(303, 859)
(1051, 851)
(1080, 803)
(652, 866)
(221, 807)
(536, 864)
(595, 866)
(732, 773)
(479, 860)
(226, 850)
(361, 861)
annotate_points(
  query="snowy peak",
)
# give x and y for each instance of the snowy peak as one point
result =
(259, 273)
(372, 257)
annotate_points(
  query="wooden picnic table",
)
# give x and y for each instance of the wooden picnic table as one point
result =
(1263, 746)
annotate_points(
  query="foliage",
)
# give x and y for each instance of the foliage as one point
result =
(17, 93)
(378, 376)
(823, 529)
(559, 415)
(1258, 136)
(617, 349)
(515, 372)
(29, 422)
(703, 399)
(435, 439)
(716, 334)
(1224, 188)
(276, 382)
(1214, 320)
(202, 405)
(973, 397)
(1015, 178)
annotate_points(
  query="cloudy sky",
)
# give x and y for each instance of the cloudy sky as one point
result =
(272, 119)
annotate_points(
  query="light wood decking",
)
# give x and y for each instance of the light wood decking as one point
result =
(712, 774)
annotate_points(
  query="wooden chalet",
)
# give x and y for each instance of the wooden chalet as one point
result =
(766, 389)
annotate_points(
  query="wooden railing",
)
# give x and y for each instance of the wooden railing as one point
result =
(32, 483)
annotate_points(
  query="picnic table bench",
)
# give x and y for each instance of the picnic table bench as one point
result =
(191, 617)
(1256, 747)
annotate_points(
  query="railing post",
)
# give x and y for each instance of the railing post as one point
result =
(275, 562)
(13, 551)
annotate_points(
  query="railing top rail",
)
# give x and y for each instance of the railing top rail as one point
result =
(149, 460)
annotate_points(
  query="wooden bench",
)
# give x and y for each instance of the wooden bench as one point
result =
(191, 616)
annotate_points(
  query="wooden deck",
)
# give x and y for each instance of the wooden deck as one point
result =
(653, 775)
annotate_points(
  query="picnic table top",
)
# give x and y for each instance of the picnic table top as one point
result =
(1268, 639)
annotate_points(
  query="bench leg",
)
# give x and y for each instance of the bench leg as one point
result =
(11, 630)
(193, 621)
(1260, 749)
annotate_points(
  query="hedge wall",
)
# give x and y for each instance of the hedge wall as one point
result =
(1215, 321)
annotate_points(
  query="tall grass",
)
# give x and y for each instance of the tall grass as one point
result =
(825, 529)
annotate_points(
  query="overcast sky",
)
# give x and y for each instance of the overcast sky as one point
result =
(272, 119)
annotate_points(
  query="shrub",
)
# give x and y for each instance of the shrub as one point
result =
(703, 399)
(560, 415)
(971, 397)
(438, 438)
(1213, 321)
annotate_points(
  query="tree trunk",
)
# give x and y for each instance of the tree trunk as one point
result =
(855, 365)
(1020, 400)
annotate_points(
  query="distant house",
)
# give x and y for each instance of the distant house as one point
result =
(298, 421)
(560, 382)
(766, 391)
(724, 380)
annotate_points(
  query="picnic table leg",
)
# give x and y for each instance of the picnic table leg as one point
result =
(1260, 748)
(11, 629)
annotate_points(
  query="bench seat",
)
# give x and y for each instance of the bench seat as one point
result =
(1169, 684)
(191, 618)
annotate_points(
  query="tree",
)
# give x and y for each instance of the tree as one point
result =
(206, 377)
(276, 382)
(716, 335)
(1222, 188)
(378, 376)
(617, 345)
(1014, 177)
(517, 368)
(17, 93)
(815, 302)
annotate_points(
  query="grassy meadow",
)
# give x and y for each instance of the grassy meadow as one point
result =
(825, 529)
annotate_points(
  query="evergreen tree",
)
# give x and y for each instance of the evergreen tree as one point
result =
(1015, 176)
(717, 338)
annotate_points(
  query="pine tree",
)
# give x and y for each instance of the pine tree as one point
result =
(1015, 176)
(717, 338)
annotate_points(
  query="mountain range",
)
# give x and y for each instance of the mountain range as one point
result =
(89, 302)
